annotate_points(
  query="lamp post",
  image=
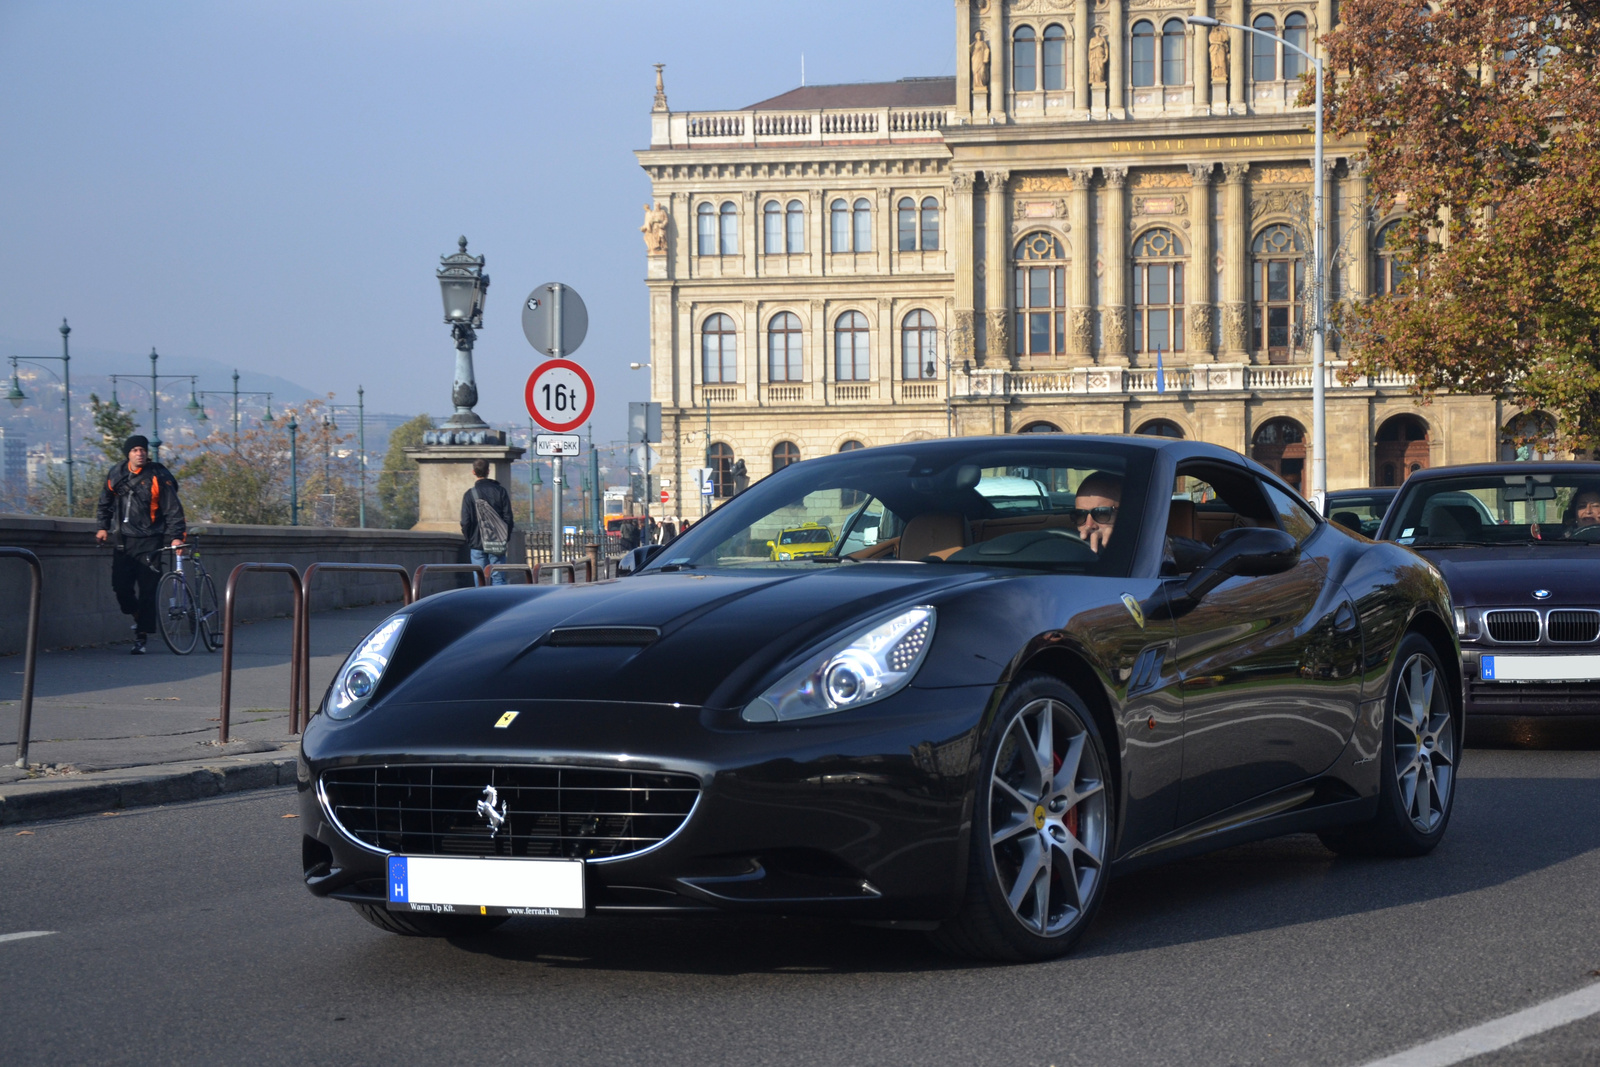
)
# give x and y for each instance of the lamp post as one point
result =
(236, 393)
(649, 489)
(1319, 324)
(17, 396)
(155, 398)
(463, 285)
(294, 472)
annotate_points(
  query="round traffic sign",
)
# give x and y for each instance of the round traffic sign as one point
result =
(554, 319)
(663, 496)
(560, 395)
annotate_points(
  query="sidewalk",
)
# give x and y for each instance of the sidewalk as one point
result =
(111, 730)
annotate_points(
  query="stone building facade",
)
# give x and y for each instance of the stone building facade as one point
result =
(1101, 224)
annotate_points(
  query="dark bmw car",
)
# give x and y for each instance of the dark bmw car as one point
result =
(1023, 664)
(1519, 545)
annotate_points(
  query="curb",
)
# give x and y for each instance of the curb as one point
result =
(61, 800)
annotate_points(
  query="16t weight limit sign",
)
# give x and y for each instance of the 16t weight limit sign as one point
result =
(560, 395)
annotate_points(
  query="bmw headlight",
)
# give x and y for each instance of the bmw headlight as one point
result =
(359, 677)
(867, 665)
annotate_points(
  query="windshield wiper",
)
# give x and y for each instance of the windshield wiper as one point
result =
(677, 567)
(821, 558)
(1451, 544)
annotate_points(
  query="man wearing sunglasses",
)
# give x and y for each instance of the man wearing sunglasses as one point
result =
(1095, 510)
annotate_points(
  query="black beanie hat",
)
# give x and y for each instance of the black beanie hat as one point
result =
(138, 440)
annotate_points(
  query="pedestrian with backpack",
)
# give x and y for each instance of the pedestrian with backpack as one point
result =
(486, 520)
(139, 514)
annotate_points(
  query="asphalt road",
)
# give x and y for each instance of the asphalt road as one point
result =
(184, 936)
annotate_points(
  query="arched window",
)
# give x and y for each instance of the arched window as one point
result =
(849, 498)
(851, 355)
(1280, 446)
(1264, 50)
(1143, 54)
(1041, 295)
(919, 347)
(862, 217)
(1402, 447)
(784, 348)
(851, 446)
(839, 226)
(1158, 292)
(930, 224)
(1390, 274)
(1055, 58)
(719, 351)
(795, 215)
(783, 454)
(730, 229)
(1172, 42)
(1024, 64)
(1160, 428)
(1280, 273)
(906, 224)
(706, 230)
(1040, 427)
(1294, 31)
(720, 456)
(1530, 436)
(772, 228)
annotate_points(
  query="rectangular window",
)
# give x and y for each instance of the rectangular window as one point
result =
(1138, 332)
(1023, 68)
(774, 233)
(1039, 331)
(1158, 292)
(1020, 299)
(1177, 330)
(1277, 327)
(1055, 63)
(1019, 332)
(908, 229)
(1061, 331)
(1159, 338)
(1039, 287)
(706, 233)
(797, 231)
(1265, 68)
(1061, 287)
(930, 229)
(841, 231)
(1277, 280)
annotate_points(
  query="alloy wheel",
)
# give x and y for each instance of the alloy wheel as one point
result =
(1424, 743)
(1047, 817)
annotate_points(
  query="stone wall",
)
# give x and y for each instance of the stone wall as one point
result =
(79, 608)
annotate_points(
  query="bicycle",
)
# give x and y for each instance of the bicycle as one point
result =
(186, 599)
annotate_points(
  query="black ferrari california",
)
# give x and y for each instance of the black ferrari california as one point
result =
(1019, 666)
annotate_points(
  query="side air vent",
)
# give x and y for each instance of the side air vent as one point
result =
(1513, 626)
(603, 636)
(1574, 625)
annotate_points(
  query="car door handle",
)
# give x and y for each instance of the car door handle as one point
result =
(1344, 620)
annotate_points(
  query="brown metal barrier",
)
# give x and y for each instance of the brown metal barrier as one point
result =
(519, 568)
(305, 616)
(30, 654)
(556, 569)
(442, 568)
(227, 643)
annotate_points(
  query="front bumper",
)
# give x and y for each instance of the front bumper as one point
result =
(1526, 698)
(858, 815)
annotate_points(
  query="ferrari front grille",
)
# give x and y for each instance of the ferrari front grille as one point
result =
(1571, 625)
(1521, 625)
(423, 809)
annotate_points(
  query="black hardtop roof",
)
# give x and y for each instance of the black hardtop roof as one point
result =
(1531, 466)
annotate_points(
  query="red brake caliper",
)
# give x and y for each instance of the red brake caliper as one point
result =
(1072, 816)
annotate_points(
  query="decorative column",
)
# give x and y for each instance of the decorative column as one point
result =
(1200, 50)
(1238, 56)
(1114, 253)
(1235, 262)
(996, 280)
(1200, 312)
(683, 222)
(964, 263)
(1358, 281)
(750, 231)
(1080, 61)
(884, 232)
(1324, 25)
(1116, 81)
(1080, 295)
(964, 66)
(816, 230)
(999, 59)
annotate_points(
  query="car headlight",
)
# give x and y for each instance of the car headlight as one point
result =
(358, 679)
(1461, 623)
(783, 555)
(868, 664)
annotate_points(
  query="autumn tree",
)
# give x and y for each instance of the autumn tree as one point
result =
(397, 482)
(1480, 123)
(113, 425)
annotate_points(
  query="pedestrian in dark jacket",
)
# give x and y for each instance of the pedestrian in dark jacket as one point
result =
(486, 520)
(140, 514)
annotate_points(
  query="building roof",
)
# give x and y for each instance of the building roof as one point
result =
(907, 92)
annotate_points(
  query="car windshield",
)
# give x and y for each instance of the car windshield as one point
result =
(1359, 511)
(1059, 505)
(1501, 508)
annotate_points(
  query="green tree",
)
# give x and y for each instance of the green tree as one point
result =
(114, 424)
(397, 481)
(1482, 122)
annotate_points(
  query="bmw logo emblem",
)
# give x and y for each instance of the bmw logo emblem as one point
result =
(1541, 594)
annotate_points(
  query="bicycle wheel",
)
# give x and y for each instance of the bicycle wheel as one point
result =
(210, 615)
(179, 620)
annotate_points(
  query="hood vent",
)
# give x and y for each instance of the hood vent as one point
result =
(603, 636)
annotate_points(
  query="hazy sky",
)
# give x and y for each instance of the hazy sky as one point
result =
(270, 184)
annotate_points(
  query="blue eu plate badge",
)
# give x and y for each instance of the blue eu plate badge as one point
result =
(1487, 669)
(397, 880)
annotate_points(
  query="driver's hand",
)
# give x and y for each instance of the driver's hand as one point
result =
(1098, 537)
(100, 536)
(177, 543)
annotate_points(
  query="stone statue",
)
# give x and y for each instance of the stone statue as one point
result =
(1218, 39)
(980, 64)
(1099, 56)
(655, 230)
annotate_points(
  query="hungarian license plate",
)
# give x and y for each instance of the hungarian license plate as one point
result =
(488, 885)
(1539, 668)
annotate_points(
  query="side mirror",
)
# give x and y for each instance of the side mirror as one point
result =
(634, 560)
(771, 545)
(1250, 551)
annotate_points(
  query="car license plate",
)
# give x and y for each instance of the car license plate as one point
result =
(489, 885)
(1539, 668)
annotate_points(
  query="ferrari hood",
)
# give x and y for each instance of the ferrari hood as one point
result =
(1507, 575)
(669, 638)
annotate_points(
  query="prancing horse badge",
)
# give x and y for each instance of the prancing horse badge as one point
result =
(1134, 609)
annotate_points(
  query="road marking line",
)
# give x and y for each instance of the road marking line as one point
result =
(1498, 1033)
(26, 934)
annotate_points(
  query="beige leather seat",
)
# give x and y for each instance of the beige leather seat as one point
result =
(939, 533)
(1180, 520)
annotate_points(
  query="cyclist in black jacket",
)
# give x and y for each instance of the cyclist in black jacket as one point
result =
(139, 509)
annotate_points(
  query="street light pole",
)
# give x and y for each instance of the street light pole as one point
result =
(361, 446)
(155, 410)
(66, 382)
(1319, 322)
(294, 472)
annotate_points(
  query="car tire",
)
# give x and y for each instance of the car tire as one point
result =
(1420, 751)
(424, 924)
(1029, 828)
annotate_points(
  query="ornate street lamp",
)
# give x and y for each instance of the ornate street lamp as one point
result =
(294, 471)
(463, 285)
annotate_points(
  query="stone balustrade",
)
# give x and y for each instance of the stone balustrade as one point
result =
(1201, 378)
(725, 129)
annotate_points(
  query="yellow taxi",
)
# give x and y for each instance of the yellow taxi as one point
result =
(798, 542)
